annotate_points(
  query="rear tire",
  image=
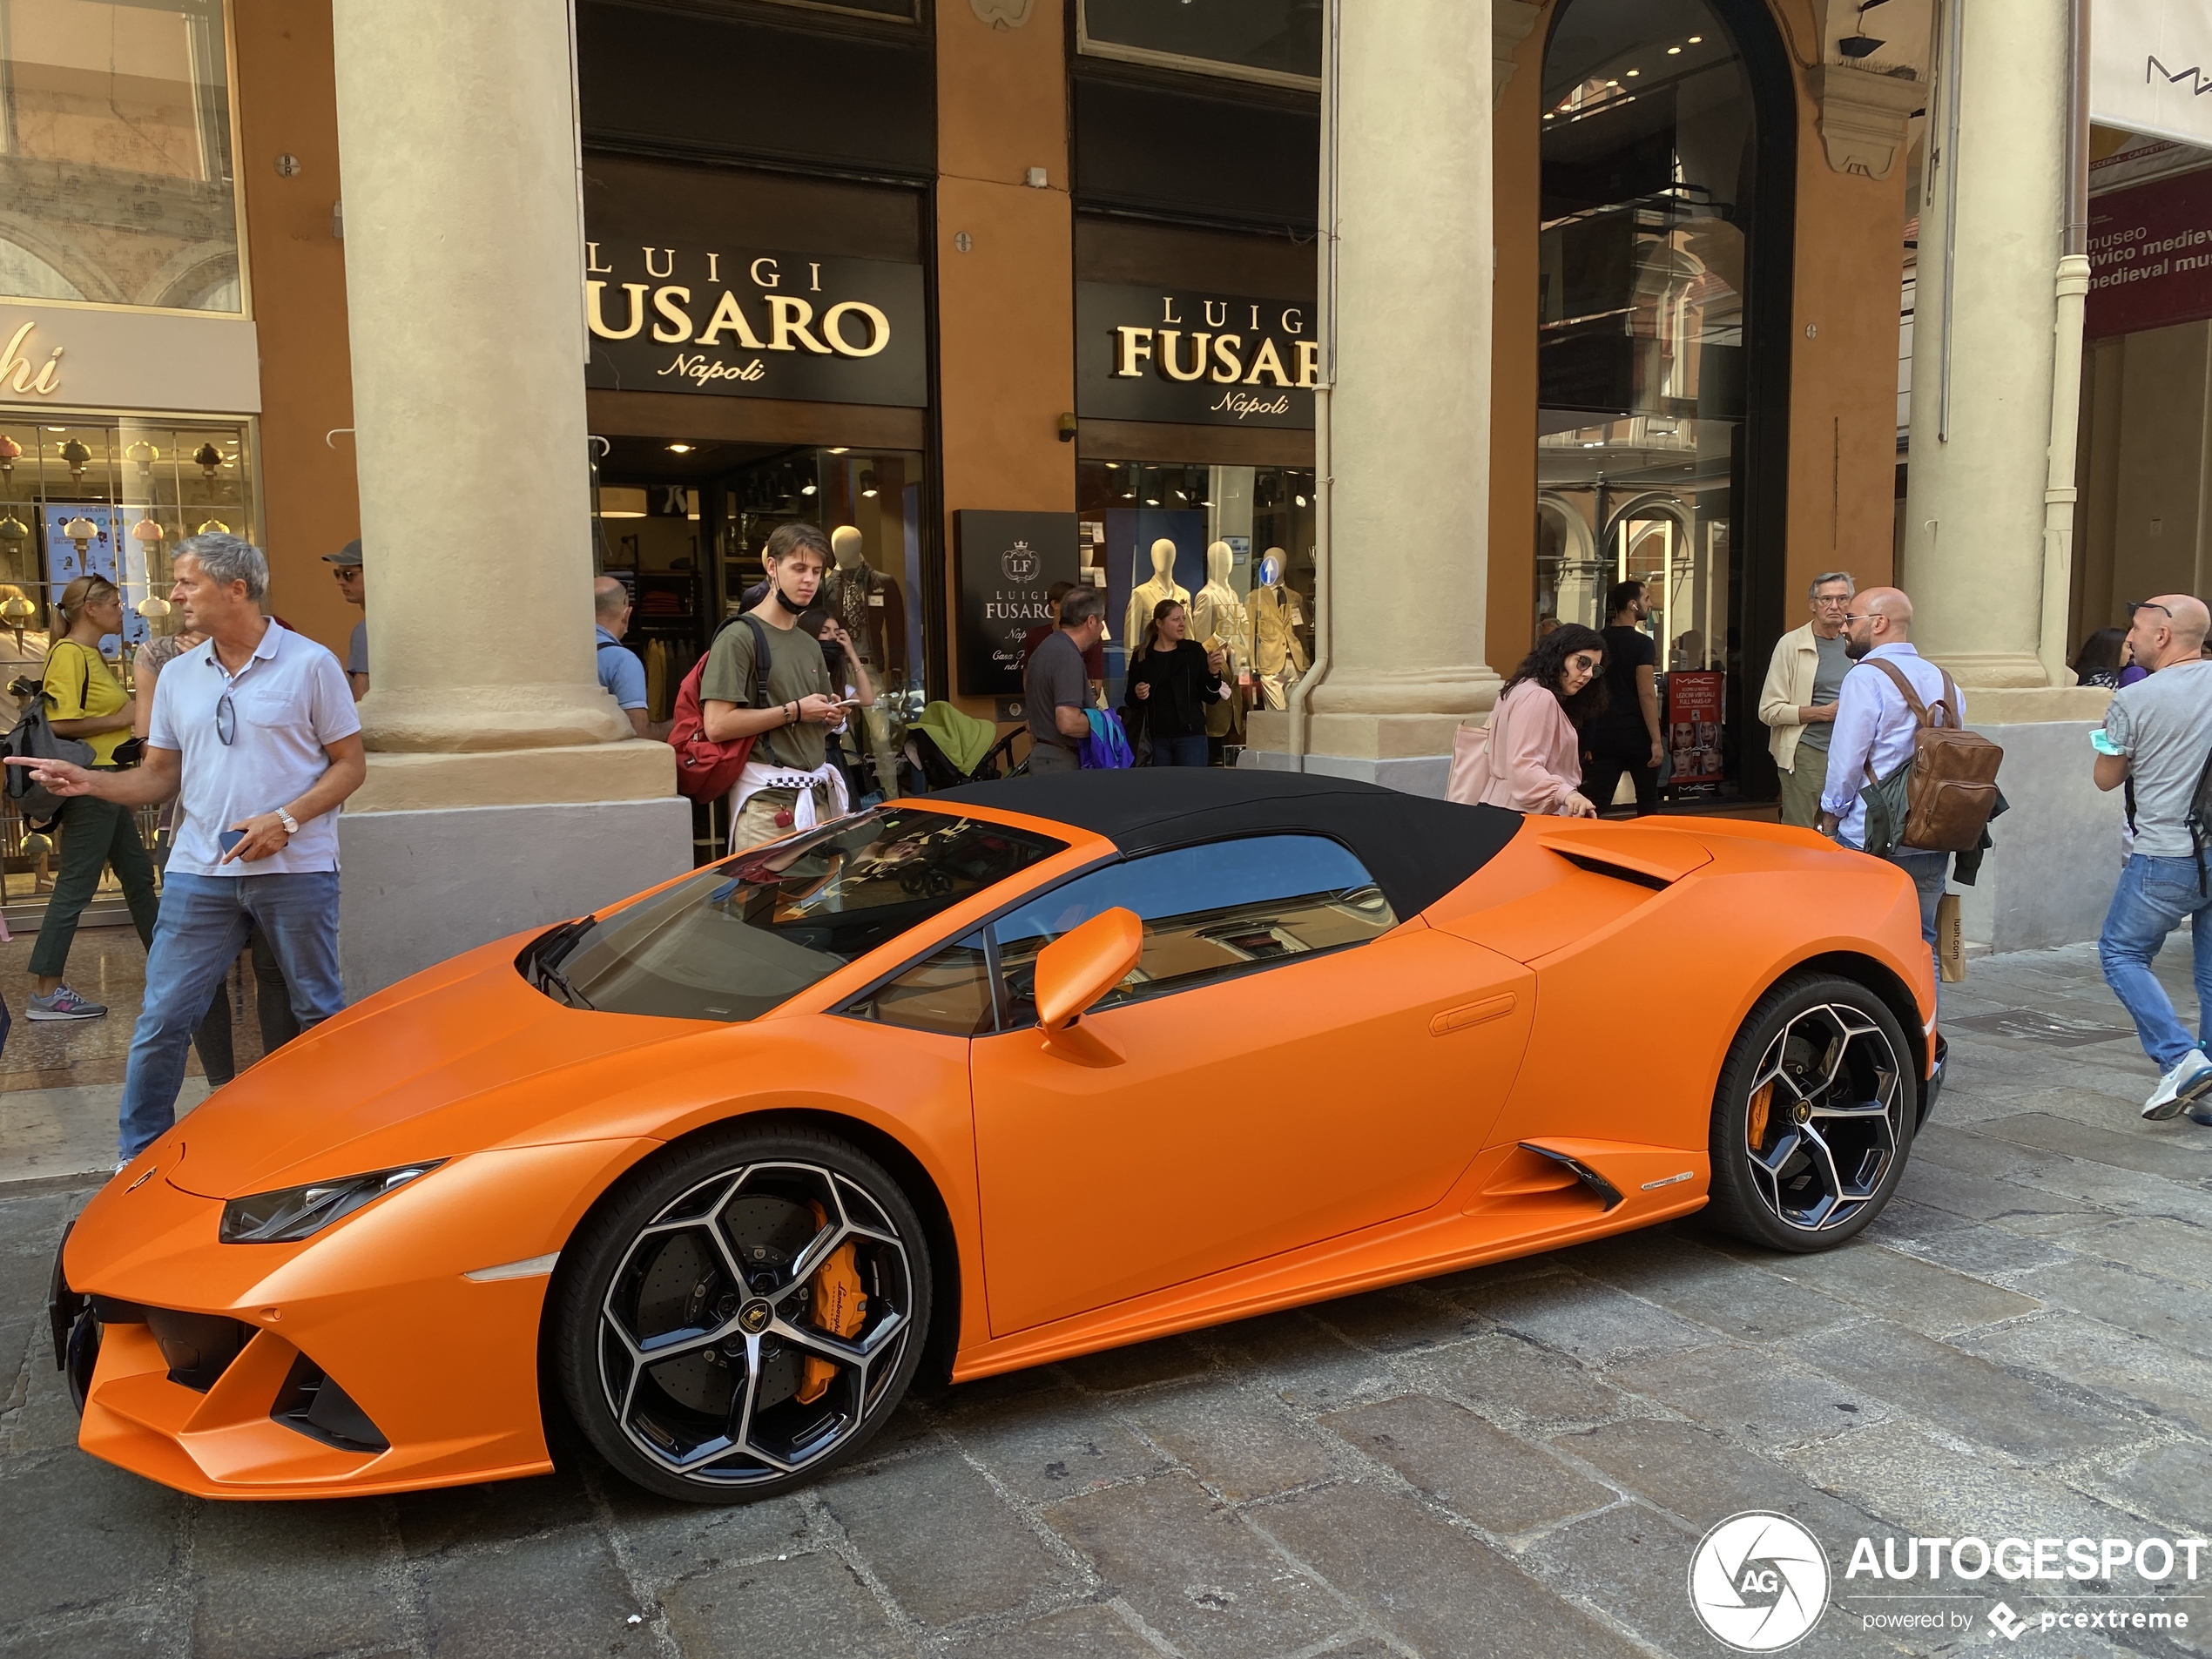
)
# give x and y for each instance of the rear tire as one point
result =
(1813, 1118)
(743, 1312)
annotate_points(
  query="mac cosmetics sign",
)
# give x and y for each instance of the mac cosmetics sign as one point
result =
(1197, 358)
(1008, 562)
(747, 322)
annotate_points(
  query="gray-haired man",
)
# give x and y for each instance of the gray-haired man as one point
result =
(1797, 703)
(258, 726)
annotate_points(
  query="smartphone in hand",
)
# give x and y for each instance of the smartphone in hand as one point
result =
(227, 839)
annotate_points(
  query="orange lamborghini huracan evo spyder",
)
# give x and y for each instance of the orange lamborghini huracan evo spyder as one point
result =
(973, 1082)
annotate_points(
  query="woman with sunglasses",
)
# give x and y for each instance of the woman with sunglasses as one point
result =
(85, 701)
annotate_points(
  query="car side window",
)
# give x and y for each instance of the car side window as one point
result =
(949, 992)
(1210, 912)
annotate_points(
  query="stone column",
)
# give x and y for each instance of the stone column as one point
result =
(504, 791)
(1411, 420)
(463, 276)
(1990, 232)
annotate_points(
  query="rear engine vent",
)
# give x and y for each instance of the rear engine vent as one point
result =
(1618, 872)
(317, 1407)
(198, 1346)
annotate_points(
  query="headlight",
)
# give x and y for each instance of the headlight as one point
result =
(295, 1213)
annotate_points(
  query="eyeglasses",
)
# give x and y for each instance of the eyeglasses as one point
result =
(226, 720)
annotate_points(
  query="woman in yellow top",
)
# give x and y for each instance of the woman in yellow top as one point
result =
(85, 701)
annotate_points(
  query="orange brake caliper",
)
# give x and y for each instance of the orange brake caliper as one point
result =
(1762, 1103)
(841, 1307)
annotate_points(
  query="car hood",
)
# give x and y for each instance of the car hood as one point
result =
(455, 1060)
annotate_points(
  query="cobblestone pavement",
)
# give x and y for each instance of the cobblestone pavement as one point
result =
(1516, 1460)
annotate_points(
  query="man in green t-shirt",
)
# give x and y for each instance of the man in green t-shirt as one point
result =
(789, 754)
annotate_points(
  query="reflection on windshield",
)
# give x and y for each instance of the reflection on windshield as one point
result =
(745, 935)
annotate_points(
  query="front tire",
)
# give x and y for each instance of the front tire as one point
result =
(743, 1312)
(1813, 1118)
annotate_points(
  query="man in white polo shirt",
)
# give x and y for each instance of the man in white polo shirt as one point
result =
(258, 726)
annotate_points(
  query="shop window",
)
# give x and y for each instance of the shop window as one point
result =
(683, 524)
(116, 154)
(1239, 554)
(1262, 40)
(1647, 201)
(1210, 912)
(113, 496)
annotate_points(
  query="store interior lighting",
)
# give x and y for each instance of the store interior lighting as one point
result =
(679, 448)
(621, 501)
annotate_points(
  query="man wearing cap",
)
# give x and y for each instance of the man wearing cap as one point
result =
(345, 565)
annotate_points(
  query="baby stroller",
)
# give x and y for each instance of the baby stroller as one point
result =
(946, 748)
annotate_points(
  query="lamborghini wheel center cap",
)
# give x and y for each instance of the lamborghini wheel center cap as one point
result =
(1802, 1112)
(753, 1316)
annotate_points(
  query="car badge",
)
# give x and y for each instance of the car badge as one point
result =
(753, 1316)
(143, 1179)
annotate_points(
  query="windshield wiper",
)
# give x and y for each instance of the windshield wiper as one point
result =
(543, 957)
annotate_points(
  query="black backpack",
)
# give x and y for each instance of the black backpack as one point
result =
(2198, 818)
(34, 739)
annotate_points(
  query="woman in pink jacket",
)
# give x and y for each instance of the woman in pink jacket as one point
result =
(1530, 756)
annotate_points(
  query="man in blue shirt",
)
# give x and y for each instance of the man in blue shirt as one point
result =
(619, 669)
(1873, 731)
(258, 727)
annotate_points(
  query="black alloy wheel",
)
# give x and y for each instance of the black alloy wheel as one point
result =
(742, 1312)
(1813, 1118)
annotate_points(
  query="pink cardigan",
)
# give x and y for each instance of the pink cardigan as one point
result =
(1536, 753)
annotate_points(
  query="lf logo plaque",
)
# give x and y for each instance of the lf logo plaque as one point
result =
(1758, 1581)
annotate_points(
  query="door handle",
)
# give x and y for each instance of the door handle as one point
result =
(1472, 1014)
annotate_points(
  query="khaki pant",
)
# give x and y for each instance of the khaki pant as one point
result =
(1802, 787)
(756, 820)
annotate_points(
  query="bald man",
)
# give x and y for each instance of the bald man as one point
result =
(619, 669)
(2157, 740)
(1873, 728)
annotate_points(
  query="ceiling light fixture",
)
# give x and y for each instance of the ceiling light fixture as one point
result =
(806, 489)
(1674, 51)
(1300, 500)
(679, 448)
(1634, 72)
(840, 448)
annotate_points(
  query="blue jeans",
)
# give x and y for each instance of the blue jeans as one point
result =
(2153, 896)
(201, 929)
(1179, 752)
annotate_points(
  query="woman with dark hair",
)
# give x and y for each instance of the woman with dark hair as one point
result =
(2103, 661)
(1531, 760)
(1171, 680)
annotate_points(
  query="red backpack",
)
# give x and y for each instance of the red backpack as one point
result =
(706, 770)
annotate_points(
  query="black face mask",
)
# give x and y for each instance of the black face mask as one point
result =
(791, 605)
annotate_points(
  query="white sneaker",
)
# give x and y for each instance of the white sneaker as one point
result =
(2190, 1077)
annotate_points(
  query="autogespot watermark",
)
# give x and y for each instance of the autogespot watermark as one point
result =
(1760, 1581)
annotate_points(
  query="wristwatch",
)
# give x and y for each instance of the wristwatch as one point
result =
(291, 824)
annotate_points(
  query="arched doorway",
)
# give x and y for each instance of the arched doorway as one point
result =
(1662, 357)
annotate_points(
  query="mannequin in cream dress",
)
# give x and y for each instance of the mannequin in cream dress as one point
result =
(1218, 612)
(1149, 594)
(1278, 655)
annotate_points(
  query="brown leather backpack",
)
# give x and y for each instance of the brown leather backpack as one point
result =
(1951, 781)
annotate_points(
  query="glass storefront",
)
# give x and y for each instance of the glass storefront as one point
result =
(1234, 544)
(112, 495)
(1648, 187)
(116, 155)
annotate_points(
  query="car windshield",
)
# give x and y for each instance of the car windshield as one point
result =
(743, 936)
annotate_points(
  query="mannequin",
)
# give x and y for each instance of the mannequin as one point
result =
(873, 612)
(1277, 617)
(1147, 595)
(868, 604)
(1218, 612)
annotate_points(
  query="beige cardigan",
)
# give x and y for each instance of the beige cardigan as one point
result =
(1789, 688)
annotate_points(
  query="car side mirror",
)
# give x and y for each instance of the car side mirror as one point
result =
(1078, 968)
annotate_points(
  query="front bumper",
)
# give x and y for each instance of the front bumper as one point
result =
(365, 1360)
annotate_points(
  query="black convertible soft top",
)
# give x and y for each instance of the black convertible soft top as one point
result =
(1417, 849)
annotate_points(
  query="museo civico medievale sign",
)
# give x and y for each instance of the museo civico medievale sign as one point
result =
(752, 322)
(1145, 354)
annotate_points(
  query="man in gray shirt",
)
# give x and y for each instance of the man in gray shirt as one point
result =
(1056, 689)
(2157, 738)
